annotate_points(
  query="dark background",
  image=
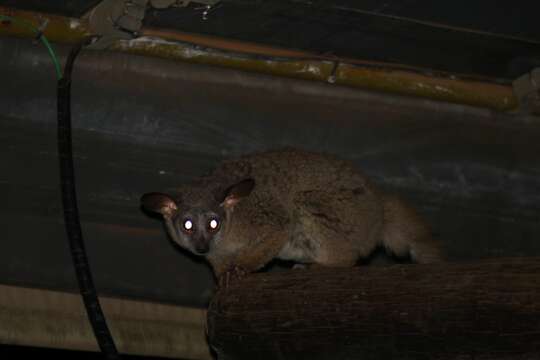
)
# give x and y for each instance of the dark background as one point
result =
(26, 352)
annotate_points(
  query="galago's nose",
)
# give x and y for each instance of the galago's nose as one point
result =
(202, 247)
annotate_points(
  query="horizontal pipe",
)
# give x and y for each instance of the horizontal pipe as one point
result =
(53, 319)
(397, 79)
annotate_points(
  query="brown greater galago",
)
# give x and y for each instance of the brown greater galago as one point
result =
(293, 205)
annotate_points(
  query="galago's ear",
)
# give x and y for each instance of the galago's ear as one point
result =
(236, 192)
(159, 203)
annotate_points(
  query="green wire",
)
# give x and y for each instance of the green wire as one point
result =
(42, 38)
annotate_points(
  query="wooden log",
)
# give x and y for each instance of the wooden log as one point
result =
(483, 310)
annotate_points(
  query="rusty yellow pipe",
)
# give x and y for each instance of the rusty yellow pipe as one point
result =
(403, 80)
(448, 88)
(58, 28)
(296, 68)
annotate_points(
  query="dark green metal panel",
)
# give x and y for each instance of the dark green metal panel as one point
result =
(498, 40)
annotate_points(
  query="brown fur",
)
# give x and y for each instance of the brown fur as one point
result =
(310, 208)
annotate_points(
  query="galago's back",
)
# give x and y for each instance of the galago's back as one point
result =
(288, 172)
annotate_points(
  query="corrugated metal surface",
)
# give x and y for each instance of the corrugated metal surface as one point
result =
(145, 124)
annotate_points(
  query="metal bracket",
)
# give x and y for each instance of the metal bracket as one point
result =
(527, 91)
(116, 20)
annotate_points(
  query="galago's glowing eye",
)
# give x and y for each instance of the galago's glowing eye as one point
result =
(188, 225)
(213, 224)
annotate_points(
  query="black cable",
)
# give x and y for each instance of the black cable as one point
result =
(71, 212)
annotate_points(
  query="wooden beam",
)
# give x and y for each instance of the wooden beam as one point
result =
(484, 310)
(53, 319)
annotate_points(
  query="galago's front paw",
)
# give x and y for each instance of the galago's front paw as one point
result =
(234, 273)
